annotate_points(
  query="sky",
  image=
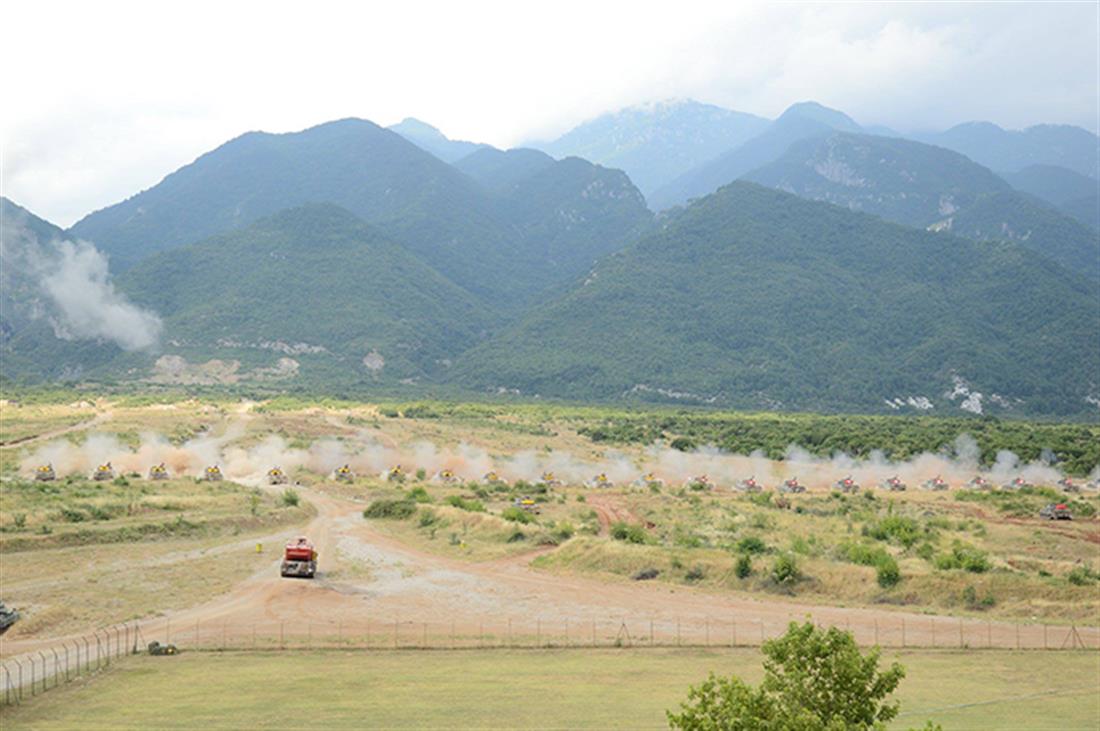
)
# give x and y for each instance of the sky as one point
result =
(103, 99)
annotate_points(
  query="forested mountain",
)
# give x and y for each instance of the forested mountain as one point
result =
(926, 186)
(655, 143)
(801, 121)
(1011, 150)
(411, 196)
(316, 279)
(428, 138)
(20, 298)
(755, 298)
(499, 170)
(1076, 195)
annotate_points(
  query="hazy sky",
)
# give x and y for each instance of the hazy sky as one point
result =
(103, 99)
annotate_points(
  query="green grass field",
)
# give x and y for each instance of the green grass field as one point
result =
(528, 689)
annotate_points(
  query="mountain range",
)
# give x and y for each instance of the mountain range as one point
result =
(846, 271)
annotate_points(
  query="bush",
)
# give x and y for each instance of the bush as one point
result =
(390, 509)
(785, 570)
(428, 517)
(516, 515)
(517, 536)
(751, 544)
(970, 597)
(564, 530)
(290, 498)
(72, 515)
(1081, 576)
(743, 567)
(895, 529)
(813, 679)
(646, 574)
(470, 506)
(887, 573)
(421, 474)
(420, 495)
(20, 520)
(695, 574)
(963, 557)
(629, 533)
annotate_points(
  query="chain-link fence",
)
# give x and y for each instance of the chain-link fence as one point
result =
(35, 672)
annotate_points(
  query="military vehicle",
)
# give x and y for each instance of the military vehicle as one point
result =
(979, 483)
(396, 474)
(1068, 485)
(275, 476)
(847, 485)
(1017, 483)
(527, 504)
(648, 481)
(749, 485)
(45, 473)
(104, 472)
(447, 477)
(492, 477)
(893, 484)
(1056, 511)
(548, 479)
(792, 485)
(213, 473)
(158, 472)
(599, 481)
(299, 559)
(8, 617)
(699, 482)
(935, 483)
(344, 474)
(155, 648)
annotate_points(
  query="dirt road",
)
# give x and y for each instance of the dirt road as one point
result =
(368, 581)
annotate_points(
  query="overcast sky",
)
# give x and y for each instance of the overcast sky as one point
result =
(103, 99)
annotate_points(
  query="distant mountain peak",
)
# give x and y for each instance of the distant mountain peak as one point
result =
(820, 113)
(414, 126)
(430, 139)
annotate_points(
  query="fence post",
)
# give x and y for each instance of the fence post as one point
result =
(7, 685)
(45, 677)
(20, 664)
(32, 676)
(66, 662)
(56, 671)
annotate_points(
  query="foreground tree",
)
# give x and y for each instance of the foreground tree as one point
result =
(814, 680)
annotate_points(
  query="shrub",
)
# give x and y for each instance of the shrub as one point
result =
(813, 679)
(751, 544)
(887, 573)
(895, 529)
(290, 498)
(471, 506)
(564, 530)
(695, 574)
(20, 520)
(517, 536)
(629, 533)
(646, 574)
(743, 567)
(516, 515)
(785, 570)
(420, 495)
(390, 509)
(1081, 576)
(683, 444)
(970, 597)
(421, 474)
(428, 517)
(72, 515)
(963, 557)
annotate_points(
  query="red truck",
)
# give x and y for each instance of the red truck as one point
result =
(299, 559)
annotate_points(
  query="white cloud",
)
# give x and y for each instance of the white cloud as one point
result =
(106, 98)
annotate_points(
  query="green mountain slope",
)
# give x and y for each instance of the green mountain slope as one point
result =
(20, 295)
(801, 121)
(900, 180)
(654, 143)
(499, 170)
(1052, 183)
(439, 213)
(1086, 210)
(755, 298)
(926, 186)
(313, 283)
